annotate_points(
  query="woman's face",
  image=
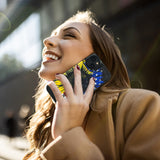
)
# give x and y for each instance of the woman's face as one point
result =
(67, 45)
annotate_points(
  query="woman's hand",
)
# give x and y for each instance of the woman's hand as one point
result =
(71, 110)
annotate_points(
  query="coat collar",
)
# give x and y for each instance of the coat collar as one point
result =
(102, 96)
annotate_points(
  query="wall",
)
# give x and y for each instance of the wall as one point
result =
(137, 33)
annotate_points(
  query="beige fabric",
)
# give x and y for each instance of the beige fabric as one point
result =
(134, 133)
(73, 145)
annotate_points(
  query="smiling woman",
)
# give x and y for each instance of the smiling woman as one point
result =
(65, 43)
(113, 122)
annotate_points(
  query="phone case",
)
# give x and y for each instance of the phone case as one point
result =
(91, 66)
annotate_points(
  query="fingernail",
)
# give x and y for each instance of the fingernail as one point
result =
(78, 67)
(57, 75)
(93, 78)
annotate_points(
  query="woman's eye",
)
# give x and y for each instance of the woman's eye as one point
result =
(69, 35)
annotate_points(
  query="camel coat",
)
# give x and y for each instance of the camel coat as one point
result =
(122, 126)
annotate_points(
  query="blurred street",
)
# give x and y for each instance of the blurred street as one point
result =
(13, 149)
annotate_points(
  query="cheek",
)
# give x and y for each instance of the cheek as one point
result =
(69, 45)
(76, 49)
(65, 45)
(69, 50)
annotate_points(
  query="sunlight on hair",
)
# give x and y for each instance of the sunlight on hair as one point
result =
(84, 17)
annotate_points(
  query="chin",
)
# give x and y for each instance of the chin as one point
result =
(46, 75)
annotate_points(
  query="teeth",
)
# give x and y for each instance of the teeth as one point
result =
(51, 56)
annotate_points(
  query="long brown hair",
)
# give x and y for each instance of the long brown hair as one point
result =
(104, 46)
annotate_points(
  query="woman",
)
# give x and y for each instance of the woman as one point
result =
(113, 123)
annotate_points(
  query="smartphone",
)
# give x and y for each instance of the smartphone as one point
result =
(91, 66)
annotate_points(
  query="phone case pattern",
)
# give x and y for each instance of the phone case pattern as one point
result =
(91, 66)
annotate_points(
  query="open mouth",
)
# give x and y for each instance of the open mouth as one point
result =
(49, 55)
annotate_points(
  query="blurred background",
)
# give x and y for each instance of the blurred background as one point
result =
(135, 25)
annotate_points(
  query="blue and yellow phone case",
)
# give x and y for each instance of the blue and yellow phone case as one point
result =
(91, 66)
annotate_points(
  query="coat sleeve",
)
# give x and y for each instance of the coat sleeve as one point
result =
(139, 129)
(72, 145)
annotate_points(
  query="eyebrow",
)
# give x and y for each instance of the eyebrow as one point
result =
(68, 28)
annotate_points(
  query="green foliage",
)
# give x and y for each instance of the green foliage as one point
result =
(9, 65)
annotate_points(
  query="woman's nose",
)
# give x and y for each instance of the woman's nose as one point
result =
(49, 42)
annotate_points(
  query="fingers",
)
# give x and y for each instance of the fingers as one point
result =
(67, 86)
(89, 92)
(57, 94)
(77, 81)
(78, 90)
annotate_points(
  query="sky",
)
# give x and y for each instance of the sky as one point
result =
(24, 42)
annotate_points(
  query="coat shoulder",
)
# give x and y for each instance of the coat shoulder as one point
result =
(140, 92)
(132, 96)
(137, 124)
(137, 104)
